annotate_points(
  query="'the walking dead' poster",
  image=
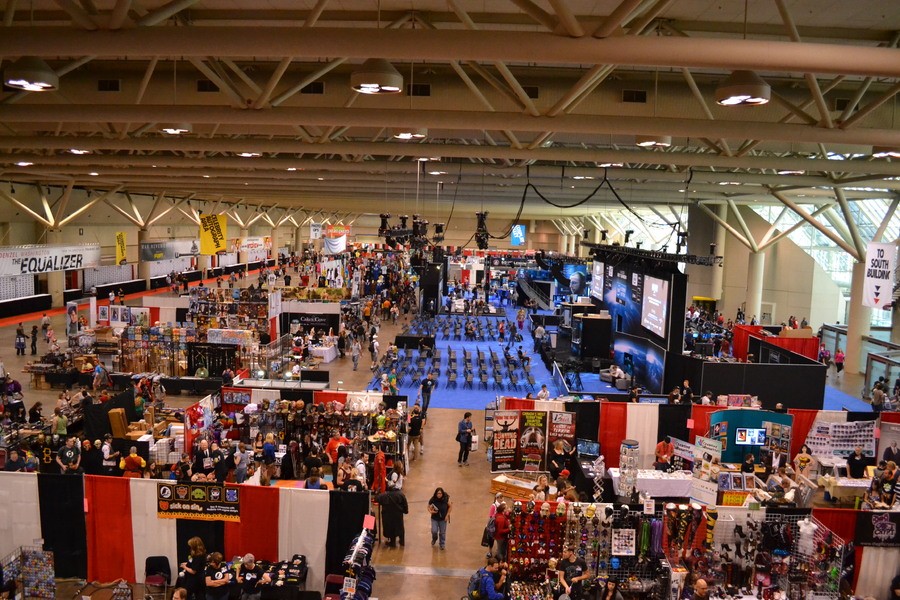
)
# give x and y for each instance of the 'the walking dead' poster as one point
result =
(506, 440)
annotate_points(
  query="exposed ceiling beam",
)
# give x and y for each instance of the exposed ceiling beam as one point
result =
(444, 45)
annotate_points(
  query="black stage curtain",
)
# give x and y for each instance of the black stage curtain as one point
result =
(61, 499)
(673, 420)
(587, 419)
(853, 416)
(345, 519)
(211, 532)
(96, 416)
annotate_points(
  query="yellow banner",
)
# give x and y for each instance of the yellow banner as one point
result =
(120, 248)
(213, 234)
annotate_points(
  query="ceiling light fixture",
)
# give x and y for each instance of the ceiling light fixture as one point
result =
(790, 172)
(24, 163)
(376, 76)
(78, 151)
(31, 74)
(885, 152)
(743, 88)
(652, 141)
(93, 173)
(176, 129)
(249, 154)
(416, 133)
(610, 164)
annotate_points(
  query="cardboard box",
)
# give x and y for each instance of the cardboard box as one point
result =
(117, 422)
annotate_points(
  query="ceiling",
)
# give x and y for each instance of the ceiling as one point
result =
(519, 91)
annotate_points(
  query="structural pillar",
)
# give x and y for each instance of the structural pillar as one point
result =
(143, 237)
(298, 240)
(597, 234)
(56, 280)
(859, 322)
(895, 323)
(716, 282)
(755, 270)
(276, 243)
(202, 264)
(563, 243)
(242, 254)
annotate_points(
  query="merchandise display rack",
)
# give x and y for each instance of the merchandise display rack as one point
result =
(34, 568)
(358, 572)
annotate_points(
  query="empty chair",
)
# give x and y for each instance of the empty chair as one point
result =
(530, 379)
(157, 574)
(451, 380)
(484, 380)
(498, 381)
(513, 381)
(470, 377)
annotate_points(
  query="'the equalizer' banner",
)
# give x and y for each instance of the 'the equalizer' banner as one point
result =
(36, 259)
(213, 234)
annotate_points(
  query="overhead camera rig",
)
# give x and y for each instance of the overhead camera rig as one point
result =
(653, 255)
(416, 236)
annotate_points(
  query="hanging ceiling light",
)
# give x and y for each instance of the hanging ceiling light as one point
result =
(414, 133)
(376, 76)
(652, 141)
(743, 88)
(885, 152)
(31, 74)
(176, 128)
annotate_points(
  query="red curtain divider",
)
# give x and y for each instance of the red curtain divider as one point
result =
(324, 396)
(613, 418)
(257, 531)
(808, 347)
(842, 521)
(803, 422)
(741, 338)
(108, 525)
(518, 404)
(700, 415)
(890, 417)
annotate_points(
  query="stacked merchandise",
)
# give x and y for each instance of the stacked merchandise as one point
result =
(615, 544)
(160, 350)
(629, 457)
(37, 573)
(359, 575)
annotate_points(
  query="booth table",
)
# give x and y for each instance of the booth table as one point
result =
(326, 353)
(844, 487)
(659, 483)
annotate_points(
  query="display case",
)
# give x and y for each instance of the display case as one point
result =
(591, 335)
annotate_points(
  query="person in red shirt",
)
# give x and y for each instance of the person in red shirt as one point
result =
(664, 451)
(501, 534)
(331, 449)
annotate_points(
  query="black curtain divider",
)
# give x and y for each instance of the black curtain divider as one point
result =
(346, 511)
(860, 416)
(96, 416)
(673, 420)
(211, 532)
(587, 419)
(61, 499)
(774, 512)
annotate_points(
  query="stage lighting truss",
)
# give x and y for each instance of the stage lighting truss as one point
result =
(651, 255)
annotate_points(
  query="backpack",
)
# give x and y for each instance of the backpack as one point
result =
(473, 590)
(491, 527)
(371, 346)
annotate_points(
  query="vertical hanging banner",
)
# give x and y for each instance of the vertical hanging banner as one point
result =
(213, 234)
(336, 238)
(120, 248)
(881, 260)
(533, 440)
(506, 440)
(562, 427)
(274, 304)
(315, 231)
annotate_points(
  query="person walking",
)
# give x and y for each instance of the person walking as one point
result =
(501, 531)
(464, 436)
(393, 506)
(355, 352)
(439, 507)
(839, 361)
(34, 339)
(425, 389)
(414, 432)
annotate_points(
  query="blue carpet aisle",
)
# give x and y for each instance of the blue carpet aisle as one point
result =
(835, 399)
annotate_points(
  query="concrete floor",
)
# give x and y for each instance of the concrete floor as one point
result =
(417, 570)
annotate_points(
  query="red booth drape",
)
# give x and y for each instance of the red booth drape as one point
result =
(740, 341)
(803, 422)
(253, 534)
(890, 417)
(841, 521)
(613, 418)
(700, 415)
(108, 525)
(518, 404)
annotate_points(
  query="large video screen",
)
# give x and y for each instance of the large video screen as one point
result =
(655, 305)
(597, 280)
(577, 276)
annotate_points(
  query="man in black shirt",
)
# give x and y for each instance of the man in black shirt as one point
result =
(250, 576)
(856, 464)
(572, 570)
(416, 421)
(425, 390)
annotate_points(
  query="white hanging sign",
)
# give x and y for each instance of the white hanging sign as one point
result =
(36, 259)
(878, 288)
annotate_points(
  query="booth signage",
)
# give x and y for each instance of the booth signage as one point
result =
(168, 250)
(198, 501)
(213, 232)
(336, 231)
(562, 427)
(506, 440)
(683, 449)
(315, 231)
(33, 260)
(533, 440)
(321, 321)
(881, 260)
(121, 245)
(251, 244)
(877, 528)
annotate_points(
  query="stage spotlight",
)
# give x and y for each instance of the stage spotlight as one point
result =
(628, 233)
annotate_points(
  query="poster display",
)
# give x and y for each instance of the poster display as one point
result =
(506, 440)
(235, 396)
(250, 244)
(877, 528)
(840, 439)
(168, 250)
(36, 259)
(683, 455)
(881, 260)
(707, 456)
(198, 501)
(121, 245)
(533, 440)
(234, 337)
(562, 427)
(213, 232)
(71, 319)
(889, 442)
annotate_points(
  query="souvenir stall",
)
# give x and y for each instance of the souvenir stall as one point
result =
(155, 349)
